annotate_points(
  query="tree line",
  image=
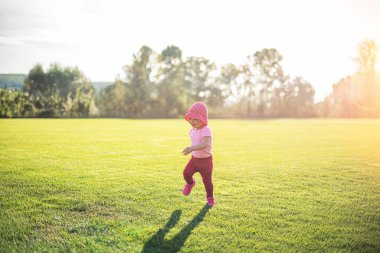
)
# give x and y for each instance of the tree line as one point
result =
(164, 85)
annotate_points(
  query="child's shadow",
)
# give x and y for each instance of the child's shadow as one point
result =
(157, 242)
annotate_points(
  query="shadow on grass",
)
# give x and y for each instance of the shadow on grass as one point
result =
(157, 242)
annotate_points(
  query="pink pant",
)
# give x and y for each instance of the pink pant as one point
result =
(204, 166)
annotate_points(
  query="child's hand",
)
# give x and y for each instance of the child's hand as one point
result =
(187, 151)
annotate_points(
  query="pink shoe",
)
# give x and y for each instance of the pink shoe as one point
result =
(210, 201)
(187, 189)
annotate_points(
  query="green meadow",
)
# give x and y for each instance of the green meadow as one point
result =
(114, 185)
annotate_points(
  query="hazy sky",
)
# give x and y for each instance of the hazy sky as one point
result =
(317, 39)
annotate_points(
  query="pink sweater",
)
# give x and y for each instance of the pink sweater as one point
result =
(196, 138)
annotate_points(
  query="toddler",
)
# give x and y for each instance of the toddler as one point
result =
(201, 151)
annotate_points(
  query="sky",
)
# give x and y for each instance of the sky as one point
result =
(317, 39)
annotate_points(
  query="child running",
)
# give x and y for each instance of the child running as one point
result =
(201, 151)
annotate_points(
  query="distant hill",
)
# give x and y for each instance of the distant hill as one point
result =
(14, 81)
(100, 86)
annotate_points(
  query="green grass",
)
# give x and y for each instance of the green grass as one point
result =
(101, 185)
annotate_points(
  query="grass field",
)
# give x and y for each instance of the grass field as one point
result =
(114, 185)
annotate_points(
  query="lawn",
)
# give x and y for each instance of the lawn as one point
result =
(114, 185)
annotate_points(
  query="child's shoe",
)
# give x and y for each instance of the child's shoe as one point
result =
(210, 201)
(188, 187)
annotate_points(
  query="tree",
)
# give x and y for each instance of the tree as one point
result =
(171, 92)
(366, 90)
(248, 87)
(15, 103)
(260, 76)
(367, 56)
(59, 91)
(229, 81)
(112, 100)
(341, 100)
(139, 83)
(294, 98)
(200, 84)
(358, 95)
(268, 73)
(134, 96)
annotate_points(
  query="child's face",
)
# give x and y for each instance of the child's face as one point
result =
(196, 123)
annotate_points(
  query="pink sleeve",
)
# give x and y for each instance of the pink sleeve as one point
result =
(206, 132)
